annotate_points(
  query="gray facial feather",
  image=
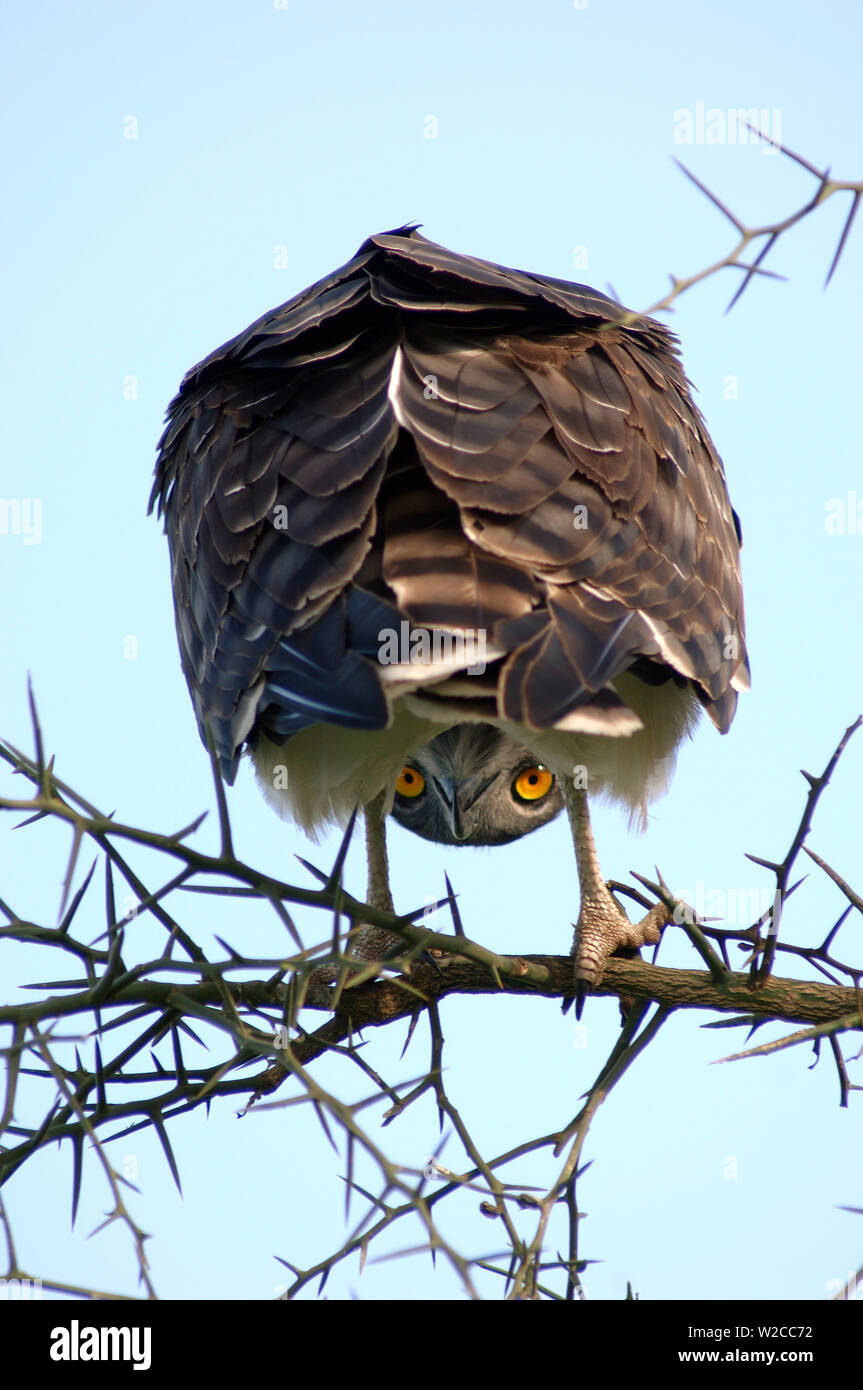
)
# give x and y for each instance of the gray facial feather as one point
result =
(468, 798)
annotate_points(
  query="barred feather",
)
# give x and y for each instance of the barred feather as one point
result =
(431, 437)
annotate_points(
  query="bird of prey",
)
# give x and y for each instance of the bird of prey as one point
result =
(451, 542)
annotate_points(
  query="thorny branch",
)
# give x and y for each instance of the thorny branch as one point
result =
(259, 1018)
(769, 233)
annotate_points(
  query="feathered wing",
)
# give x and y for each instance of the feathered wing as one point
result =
(426, 435)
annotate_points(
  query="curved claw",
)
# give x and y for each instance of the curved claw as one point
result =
(604, 930)
(581, 992)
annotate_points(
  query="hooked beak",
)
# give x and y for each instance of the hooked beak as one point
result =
(458, 797)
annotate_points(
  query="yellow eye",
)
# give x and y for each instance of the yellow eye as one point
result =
(533, 783)
(410, 782)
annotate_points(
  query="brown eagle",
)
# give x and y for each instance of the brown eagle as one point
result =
(451, 541)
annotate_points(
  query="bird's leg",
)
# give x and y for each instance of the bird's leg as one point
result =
(374, 943)
(602, 926)
(370, 943)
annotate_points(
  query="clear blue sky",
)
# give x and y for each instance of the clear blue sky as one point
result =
(267, 142)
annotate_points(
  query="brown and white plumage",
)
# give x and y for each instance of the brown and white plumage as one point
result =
(430, 438)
